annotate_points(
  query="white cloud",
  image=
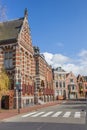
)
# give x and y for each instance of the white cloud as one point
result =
(77, 66)
(59, 60)
(48, 57)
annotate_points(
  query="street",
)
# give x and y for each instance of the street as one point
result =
(69, 115)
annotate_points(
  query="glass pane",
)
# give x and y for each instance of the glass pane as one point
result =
(10, 55)
(10, 63)
(6, 55)
(6, 63)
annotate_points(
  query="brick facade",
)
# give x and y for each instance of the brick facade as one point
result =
(44, 80)
(82, 85)
(30, 75)
(20, 64)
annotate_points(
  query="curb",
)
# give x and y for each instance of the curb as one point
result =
(10, 113)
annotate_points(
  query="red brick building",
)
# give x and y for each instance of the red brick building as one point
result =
(16, 55)
(44, 80)
(30, 75)
(82, 83)
(85, 85)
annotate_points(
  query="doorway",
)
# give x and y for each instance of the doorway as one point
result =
(5, 102)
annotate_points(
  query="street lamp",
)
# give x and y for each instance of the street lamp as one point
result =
(18, 88)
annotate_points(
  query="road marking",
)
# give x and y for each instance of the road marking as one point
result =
(29, 114)
(57, 114)
(53, 114)
(67, 114)
(47, 114)
(37, 114)
(77, 115)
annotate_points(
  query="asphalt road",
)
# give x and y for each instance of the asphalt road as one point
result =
(67, 116)
(40, 126)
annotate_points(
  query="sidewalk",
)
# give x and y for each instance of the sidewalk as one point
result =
(9, 113)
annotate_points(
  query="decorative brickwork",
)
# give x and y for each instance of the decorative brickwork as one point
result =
(44, 80)
(17, 58)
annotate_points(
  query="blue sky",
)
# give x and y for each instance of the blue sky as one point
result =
(58, 27)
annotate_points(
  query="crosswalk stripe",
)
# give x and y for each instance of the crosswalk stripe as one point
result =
(57, 114)
(29, 114)
(47, 114)
(37, 114)
(67, 114)
(77, 115)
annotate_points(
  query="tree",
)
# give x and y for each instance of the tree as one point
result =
(3, 16)
(4, 84)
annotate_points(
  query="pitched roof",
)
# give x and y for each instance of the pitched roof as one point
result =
(85, 78)
(59, 69)
(9, 30)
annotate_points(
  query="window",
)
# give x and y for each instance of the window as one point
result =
(64, 84)
(27, 101)
(60, 84)
(8, 59)
(63, 76)
(72, 87)
(71, 80)
(59, 76)
(57, 84)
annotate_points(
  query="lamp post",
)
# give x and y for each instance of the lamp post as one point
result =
(18, 88)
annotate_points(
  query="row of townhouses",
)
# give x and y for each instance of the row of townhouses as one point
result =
(32, 79)
(69, 86)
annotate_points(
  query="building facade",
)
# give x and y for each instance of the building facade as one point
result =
(59, 79)
(16, 56)
(82, 84)
(65, 84)
(85, 86)
(30, 75)
(71, 86)
(44, 80)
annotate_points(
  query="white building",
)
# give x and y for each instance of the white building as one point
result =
(59, 77)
